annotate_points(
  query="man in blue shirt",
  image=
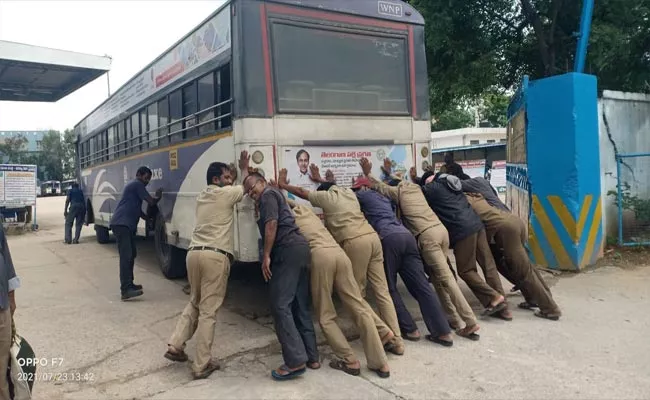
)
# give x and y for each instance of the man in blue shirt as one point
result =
(75, 214)
(402, 255)
(124, 225)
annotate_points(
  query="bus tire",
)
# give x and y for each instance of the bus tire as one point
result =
(171, 259)
(103, 234)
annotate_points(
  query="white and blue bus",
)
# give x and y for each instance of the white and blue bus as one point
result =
(292, 82)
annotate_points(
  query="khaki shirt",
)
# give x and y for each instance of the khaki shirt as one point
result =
(214, 217)
(415, 210)
(343, 216)
(491, 217)
(312, 228)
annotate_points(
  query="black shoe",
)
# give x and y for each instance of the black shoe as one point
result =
(66, 242)
(131, 293)
(136, 287)
(76, 241)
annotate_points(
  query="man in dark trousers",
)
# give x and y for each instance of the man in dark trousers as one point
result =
(468, 240)
(285, 266)
(74, 214)
(124, 225)
(401, 255)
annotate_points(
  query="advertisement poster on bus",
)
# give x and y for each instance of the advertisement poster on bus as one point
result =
(209, 40)
(343, 162)
(473, 168)
(17, 185)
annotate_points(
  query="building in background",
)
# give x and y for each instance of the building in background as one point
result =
(32, 145)
(467, 137)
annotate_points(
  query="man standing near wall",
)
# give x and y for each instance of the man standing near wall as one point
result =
(285, 266)
(124, 225)
(74, 214)
(9, 282)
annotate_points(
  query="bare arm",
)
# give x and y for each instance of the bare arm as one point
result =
(377, 184)
(294, 190)
(270, 231)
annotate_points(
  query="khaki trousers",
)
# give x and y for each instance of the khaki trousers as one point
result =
(467, 252)
(332, 270)
(207, 272)
(366, 254)
(519, 270)
(434, 245)
(5, 348)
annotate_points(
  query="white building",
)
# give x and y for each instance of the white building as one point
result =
(467, 137)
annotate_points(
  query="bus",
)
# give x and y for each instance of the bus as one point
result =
(292, 82)
(51, 188)
(66, 186)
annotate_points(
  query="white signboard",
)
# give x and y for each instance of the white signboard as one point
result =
(208, 41)
(17, 183)
(343, 162)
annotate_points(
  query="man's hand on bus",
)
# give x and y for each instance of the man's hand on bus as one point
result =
(413, 174)
(244, 160)
(159, 193)
(388, 166)
(329, 176)
(366, 166)
(282, 178)
(315, 174)
(274, 184)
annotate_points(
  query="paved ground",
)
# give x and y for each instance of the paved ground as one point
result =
(69, 309)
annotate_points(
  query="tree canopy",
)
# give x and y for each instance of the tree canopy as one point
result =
(478, 47)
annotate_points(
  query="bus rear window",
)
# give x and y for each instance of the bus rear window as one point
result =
(327, 71)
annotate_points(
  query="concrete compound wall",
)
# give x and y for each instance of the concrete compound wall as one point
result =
(624, 127)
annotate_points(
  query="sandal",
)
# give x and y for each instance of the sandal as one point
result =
(491, 310)
(446, 343)
(411, 337)
(505, 315)
(313, 364)
(469, 332)
(342, 366)
(213, 365)
(380, 373)
(285, 377)
(178, 356)
(542, 314)
(527, 306)
(393, 348)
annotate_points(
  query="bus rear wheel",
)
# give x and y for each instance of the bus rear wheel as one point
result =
(103, 234)
(170, 258)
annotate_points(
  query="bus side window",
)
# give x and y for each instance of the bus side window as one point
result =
(143, 129)
(206, 100)
(111, 142)
(225, 97)
(189, 110)
(135, 133)
(152, 118)
(127, 136)
(163, 121)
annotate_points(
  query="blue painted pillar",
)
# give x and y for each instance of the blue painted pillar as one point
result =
(564, 171)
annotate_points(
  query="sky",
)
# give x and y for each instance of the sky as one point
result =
(133, 33)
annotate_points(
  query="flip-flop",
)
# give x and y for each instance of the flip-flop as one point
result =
(290, 375)
(471, 336)
(527, 306)
(178, 357)
(501, 316)
(212, 366)
(342, 366)
(380, 373)
(412, 338)
(491, 310)
(446, 343)
(542, 314)
(311, 363)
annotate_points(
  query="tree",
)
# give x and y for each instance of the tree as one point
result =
(13, 148)
(492, 107)
(50, 160)
(69, 154)
(455, 118)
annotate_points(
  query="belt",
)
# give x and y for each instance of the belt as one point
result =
(206, 248)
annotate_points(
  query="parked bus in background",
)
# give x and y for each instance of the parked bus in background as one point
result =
(66, 186)
(292, 82)
(51, 188)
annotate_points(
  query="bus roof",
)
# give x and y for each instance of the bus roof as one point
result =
(395, 10)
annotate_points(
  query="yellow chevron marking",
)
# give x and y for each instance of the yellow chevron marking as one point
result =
(565, 217)
(593, 232)
(584, 212)
(551, 235)
(535, 248)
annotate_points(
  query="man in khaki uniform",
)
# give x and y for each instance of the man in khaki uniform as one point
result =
(509, 234)
(433, 241)
(332, 270)
(208, 266)
(348, 226)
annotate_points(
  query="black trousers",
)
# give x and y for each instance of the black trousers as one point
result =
(291, 304)
(76, 215)
(126, 248)
(402, 256)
